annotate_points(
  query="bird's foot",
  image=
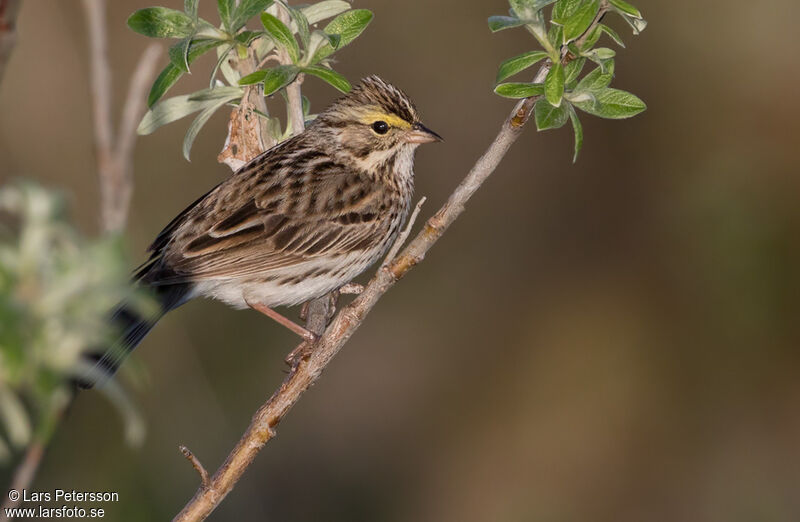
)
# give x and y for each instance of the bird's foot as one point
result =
(300, 354)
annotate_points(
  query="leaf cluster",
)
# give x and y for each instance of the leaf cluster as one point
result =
(568, 43)
(309, 49)
(56, 292)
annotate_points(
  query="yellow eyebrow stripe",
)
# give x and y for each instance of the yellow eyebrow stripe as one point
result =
(370, 117)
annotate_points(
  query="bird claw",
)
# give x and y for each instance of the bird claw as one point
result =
(301, 353)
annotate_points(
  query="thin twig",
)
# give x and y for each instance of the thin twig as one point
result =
(114, 156)
(401, 239)
(196, 464)
(100, 76)
(350, 317)
(134, 106)
(8, 31)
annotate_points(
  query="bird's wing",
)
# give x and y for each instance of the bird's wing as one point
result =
(252, 224)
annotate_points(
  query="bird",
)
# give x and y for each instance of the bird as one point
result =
(296, 222)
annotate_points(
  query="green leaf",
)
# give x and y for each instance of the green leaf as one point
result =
(330, 76)
(578, 130)
(190, 8)
(217, 93)
(160, 22)
(612, 104)
(175, 108)
(527, 9)
(171, 73)
(603, 57)
(555, 35)
(226, 9)
(591, 39)
(348, 26)
(596, 80)
(167, 111)
(637, 24)
(549, 116)
(324, 10)
(626, 8)
(519, 63)
(604, 53)
(564, 9)
(279, 77)
(245, 37)
(179, 54)
(222, 55)
(281, 35)
(246, 10)
(519, 90)
(302, 25)
(198, 123)
(612, 33)
(315, 42)
(554, 84)
(498, 23)
(573, 69)
(253, 78)
(578, 23)
(536, 25)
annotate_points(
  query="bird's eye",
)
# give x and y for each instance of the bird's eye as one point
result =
(381, 127)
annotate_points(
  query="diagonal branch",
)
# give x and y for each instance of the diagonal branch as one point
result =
(307, 371)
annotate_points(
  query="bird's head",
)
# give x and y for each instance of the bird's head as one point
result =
(374, 122)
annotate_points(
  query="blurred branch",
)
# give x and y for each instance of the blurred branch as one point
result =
(8, 31)
(305, 372)
(23, 475)
(114, 167)
(114, 159)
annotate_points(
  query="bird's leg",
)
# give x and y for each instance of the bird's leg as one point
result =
(310, 337)
(303, 351)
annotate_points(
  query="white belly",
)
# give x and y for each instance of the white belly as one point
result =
(288, 286)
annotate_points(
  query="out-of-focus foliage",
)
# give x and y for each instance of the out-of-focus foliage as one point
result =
(568, 43)
(56, 291)
(309, 49)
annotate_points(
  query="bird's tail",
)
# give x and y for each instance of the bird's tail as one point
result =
(133, 326)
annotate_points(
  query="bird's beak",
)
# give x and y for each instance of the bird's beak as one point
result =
(419, 133)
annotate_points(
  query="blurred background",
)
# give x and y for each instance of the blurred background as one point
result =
(614, 340)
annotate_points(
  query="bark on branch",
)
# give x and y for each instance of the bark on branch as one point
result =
(350, 317)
